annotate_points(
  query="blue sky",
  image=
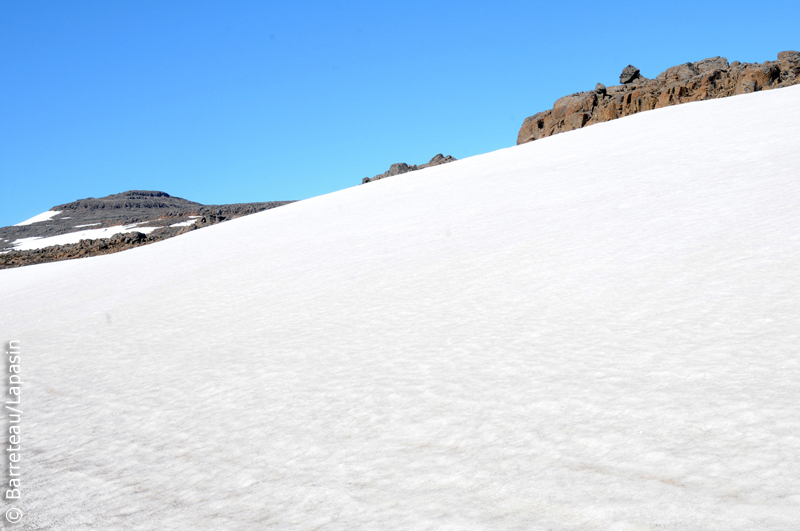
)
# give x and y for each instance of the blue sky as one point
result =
(223, 102)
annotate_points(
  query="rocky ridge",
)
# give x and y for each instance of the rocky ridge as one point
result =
(702, 80)
(402, 167)
(147, 217)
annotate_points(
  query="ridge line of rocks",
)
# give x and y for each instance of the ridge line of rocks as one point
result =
(702, 80)
(402, 167)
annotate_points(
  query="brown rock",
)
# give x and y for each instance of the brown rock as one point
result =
(680, 73)
(790, 62)
(714, 63)
(710, 78)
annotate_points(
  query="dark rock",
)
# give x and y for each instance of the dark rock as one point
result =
(133, 199)
(629, 73)
(438, 159)
(398, 168)
(401, 167)
(600, 89)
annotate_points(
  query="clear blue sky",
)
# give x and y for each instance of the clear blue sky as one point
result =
(235, 101)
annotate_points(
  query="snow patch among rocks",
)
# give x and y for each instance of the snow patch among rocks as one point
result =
(184, 223)
(27, 244)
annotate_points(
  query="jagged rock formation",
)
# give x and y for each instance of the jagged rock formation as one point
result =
(158, 214)
(402, 167)
(629, 73)
(703, 80)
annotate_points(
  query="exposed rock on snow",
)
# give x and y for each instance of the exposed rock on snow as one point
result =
(703, 80)
(402, 167)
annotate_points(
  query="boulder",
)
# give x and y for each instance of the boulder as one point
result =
(789, 62)
(397, 169)
(438, 159)
(713, 63)
(680, 73)
(629, 73)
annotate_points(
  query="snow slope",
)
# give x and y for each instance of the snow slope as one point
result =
(598, 330)
(44, 216)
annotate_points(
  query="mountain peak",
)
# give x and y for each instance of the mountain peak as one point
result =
(132, 199)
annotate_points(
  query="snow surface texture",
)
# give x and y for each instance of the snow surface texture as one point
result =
(597, 330)
(26, 244)
(44, 216)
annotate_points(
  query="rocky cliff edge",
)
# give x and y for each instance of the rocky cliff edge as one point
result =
(703, 80)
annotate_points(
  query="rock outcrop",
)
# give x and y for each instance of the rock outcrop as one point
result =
(703, 80)
(629, 73)
(402, 167)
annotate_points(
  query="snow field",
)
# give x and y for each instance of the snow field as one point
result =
(598, 330)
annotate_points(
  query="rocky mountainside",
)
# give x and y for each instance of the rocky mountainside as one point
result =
(91, 226)
(402, 167)
(702, 80)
